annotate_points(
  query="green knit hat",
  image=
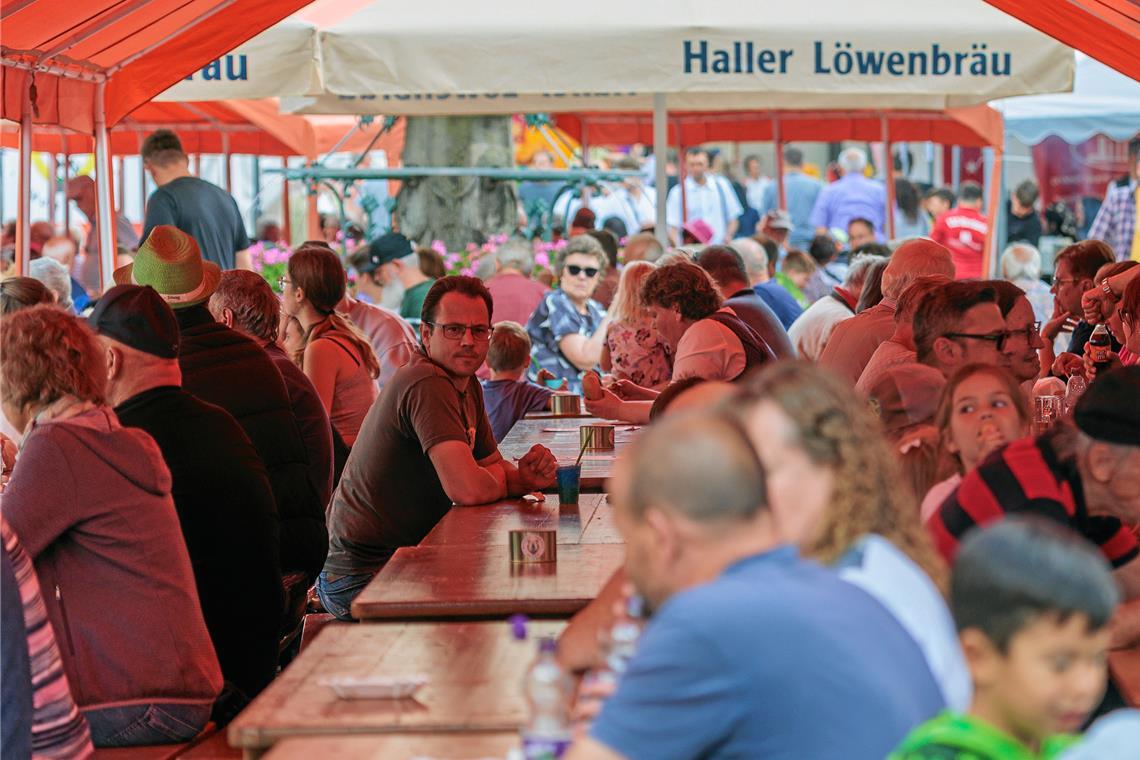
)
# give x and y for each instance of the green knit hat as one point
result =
(169, 261)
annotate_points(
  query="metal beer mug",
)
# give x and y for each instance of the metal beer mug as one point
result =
(597, 437)
(565, 404)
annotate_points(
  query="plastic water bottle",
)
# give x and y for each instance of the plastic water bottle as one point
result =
(547, 733)
(624, 636)
(1073, 390)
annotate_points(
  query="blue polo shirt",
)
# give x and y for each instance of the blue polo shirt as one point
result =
(776, 658)
(780, 301)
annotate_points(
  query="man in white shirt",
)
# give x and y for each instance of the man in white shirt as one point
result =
(631, 202)
(754, 183)
(708, 197)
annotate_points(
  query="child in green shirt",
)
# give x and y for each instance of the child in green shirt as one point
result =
(1032, 603)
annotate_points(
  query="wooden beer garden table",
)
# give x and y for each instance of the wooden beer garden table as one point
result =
(456, 746)
(489, 525)
(475, 673)
(561, 436)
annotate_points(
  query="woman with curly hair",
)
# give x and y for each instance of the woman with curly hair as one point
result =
(828, 466)
(633, 350)
(706, 341)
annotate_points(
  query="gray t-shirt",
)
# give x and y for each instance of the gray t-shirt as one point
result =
(203, 211)
(390, 495)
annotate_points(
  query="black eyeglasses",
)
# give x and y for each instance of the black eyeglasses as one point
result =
(282, 281)
(575, 270)
(1026, 332)
(998, 339)
(481, 333)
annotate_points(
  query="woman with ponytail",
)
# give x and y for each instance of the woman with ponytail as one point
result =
(334, 354)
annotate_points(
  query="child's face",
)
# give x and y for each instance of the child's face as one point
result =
(1048, 682)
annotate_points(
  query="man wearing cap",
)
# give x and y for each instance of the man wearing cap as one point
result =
(86, 270)
(219, 485)
(223, 367)
(389, 260)
(1084, 475)
(202, 210)
(391, 337)
(777, 226)
(708, 197)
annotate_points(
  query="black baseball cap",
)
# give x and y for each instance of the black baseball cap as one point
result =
(388, 247)
(137, 316)
(1110, 409)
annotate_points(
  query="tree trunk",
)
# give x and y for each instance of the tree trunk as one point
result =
(456, 210)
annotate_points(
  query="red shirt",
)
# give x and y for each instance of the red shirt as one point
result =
(515, 297)
(963, 231)
(1027, 477)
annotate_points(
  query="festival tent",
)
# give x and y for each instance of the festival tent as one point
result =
(85, 65)
(1103, 102)
(1108, 30)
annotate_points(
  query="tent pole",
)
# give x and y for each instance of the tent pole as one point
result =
(53, 169)
(585, 165)
(681, 180)
(24, 218)
(227, 170)
(995, 193)
(256, 173)
(142, 183)
(660, 153)
(66, 181)
(286, 214)
(121, 187)
(889, 215)
(781, 191)
(106, 223)
(955, 168)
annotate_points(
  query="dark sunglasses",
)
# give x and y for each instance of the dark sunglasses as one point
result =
(574, 270)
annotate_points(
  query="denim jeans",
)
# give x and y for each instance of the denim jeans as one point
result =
(337, 595)
(148, 723)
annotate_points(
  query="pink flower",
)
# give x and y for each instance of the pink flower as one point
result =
(542, 258)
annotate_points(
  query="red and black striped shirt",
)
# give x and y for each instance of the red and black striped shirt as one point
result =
(1027, 477)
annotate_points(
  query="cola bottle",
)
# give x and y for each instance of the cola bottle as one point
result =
(1100, 348)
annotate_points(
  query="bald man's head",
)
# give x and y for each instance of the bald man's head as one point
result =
(698, 465)
(913, 259)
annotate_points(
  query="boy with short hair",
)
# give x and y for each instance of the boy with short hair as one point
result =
(1032, 602)
(796, 270)
(508, 396)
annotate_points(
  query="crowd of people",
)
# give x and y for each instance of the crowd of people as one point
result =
(836, 427)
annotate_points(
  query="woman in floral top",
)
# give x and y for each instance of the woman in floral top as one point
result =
(634, 351)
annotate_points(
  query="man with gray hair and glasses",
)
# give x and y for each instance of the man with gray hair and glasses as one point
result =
(516, 294)
(853, 196)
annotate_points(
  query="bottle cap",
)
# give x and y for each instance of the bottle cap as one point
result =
(518, 627)
(547, 644)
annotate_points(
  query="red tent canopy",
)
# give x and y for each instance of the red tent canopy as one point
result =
(231, 126)
(137, 47)
(978, 126)
(1108, 30)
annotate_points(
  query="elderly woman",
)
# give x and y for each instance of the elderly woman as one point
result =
(90, 501)
(706, 340)
(568, 328)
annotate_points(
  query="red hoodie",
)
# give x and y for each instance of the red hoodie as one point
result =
(90, 501)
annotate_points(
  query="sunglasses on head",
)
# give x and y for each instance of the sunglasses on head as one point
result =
(576, 270)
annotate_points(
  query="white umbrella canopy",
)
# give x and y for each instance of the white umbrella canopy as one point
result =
(448, 57)
(436, 57)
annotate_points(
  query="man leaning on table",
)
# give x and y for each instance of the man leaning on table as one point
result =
(425, 444)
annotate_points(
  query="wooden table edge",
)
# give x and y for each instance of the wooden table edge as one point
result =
(491, 608)
(256, 741)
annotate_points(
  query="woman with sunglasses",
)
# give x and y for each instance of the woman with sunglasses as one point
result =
(568, 328)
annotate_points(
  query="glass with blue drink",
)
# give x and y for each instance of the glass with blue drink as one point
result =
(569, 477)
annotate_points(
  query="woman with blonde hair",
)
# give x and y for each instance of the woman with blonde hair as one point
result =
(634, 350)
(334, 354)
(833, 479)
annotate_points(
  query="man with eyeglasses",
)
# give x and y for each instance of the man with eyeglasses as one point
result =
(1022, 338)
(959, 324)
(425, 444)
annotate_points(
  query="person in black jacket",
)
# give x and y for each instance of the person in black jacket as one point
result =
(223, 367)
(220, 487)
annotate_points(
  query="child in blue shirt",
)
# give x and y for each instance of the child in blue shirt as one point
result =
(508, 395)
